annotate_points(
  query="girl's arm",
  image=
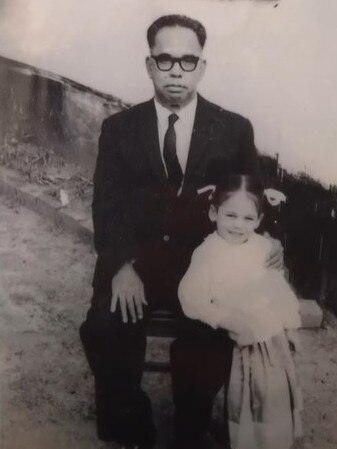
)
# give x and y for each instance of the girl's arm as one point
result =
(195, 292)
(241, 327)
(197, 303)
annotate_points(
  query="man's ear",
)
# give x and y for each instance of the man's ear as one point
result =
(202, 68)
(212, 213)
(259, 221)
(149, 65)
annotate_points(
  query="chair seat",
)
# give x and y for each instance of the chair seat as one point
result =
(162, 323)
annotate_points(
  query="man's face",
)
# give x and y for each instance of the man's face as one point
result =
(175, 87)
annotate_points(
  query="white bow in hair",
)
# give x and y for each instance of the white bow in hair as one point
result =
(275, 197)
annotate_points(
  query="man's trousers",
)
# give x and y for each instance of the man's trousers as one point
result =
(200, 359)
(200, 364)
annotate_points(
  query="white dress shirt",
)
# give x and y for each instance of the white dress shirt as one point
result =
(183, 128)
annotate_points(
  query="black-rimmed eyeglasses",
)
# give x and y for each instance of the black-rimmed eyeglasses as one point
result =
(165, 62)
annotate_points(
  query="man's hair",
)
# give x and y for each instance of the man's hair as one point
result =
(176, 20)
(251, 185)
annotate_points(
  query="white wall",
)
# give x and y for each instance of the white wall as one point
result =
(275, 65)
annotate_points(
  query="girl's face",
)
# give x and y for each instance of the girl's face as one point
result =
(237, 218)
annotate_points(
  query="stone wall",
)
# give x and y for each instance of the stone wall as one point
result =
(52, 112)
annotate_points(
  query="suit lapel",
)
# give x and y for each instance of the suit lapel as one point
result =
(202, 130)
(149, 141)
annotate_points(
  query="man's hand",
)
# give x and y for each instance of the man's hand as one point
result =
(128, 289)
(274, 258)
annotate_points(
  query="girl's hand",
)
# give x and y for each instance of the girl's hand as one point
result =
(238, 326)
(244, 338)
(293, 339)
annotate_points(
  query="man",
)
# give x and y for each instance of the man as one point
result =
(155, 164)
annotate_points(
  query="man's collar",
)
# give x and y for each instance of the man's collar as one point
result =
(187, 111)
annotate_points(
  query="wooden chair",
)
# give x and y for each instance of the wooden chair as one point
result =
(162, 323)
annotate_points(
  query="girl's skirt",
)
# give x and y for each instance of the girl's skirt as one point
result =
(264, 398)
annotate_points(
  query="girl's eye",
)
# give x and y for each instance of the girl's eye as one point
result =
(249, 218)
(230, 215)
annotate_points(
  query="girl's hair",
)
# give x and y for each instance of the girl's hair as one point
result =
(251, 185)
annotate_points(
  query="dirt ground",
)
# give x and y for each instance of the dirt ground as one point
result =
(46, 387)
(51, 172)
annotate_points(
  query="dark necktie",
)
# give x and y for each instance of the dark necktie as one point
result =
(174, 171)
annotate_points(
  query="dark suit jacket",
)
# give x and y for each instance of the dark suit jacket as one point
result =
(135, 212)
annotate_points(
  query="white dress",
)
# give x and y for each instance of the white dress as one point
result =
(226, 280)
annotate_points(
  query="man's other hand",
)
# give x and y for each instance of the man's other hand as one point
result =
(275, 259)
(128, 289)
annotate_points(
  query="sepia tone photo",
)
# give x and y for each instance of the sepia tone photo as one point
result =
(168, 181)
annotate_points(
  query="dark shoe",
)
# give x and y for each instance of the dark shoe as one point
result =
(131, 425)
(189, 444)
(207, 443)
(134, 446)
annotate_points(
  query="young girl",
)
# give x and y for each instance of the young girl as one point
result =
(228, 287)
